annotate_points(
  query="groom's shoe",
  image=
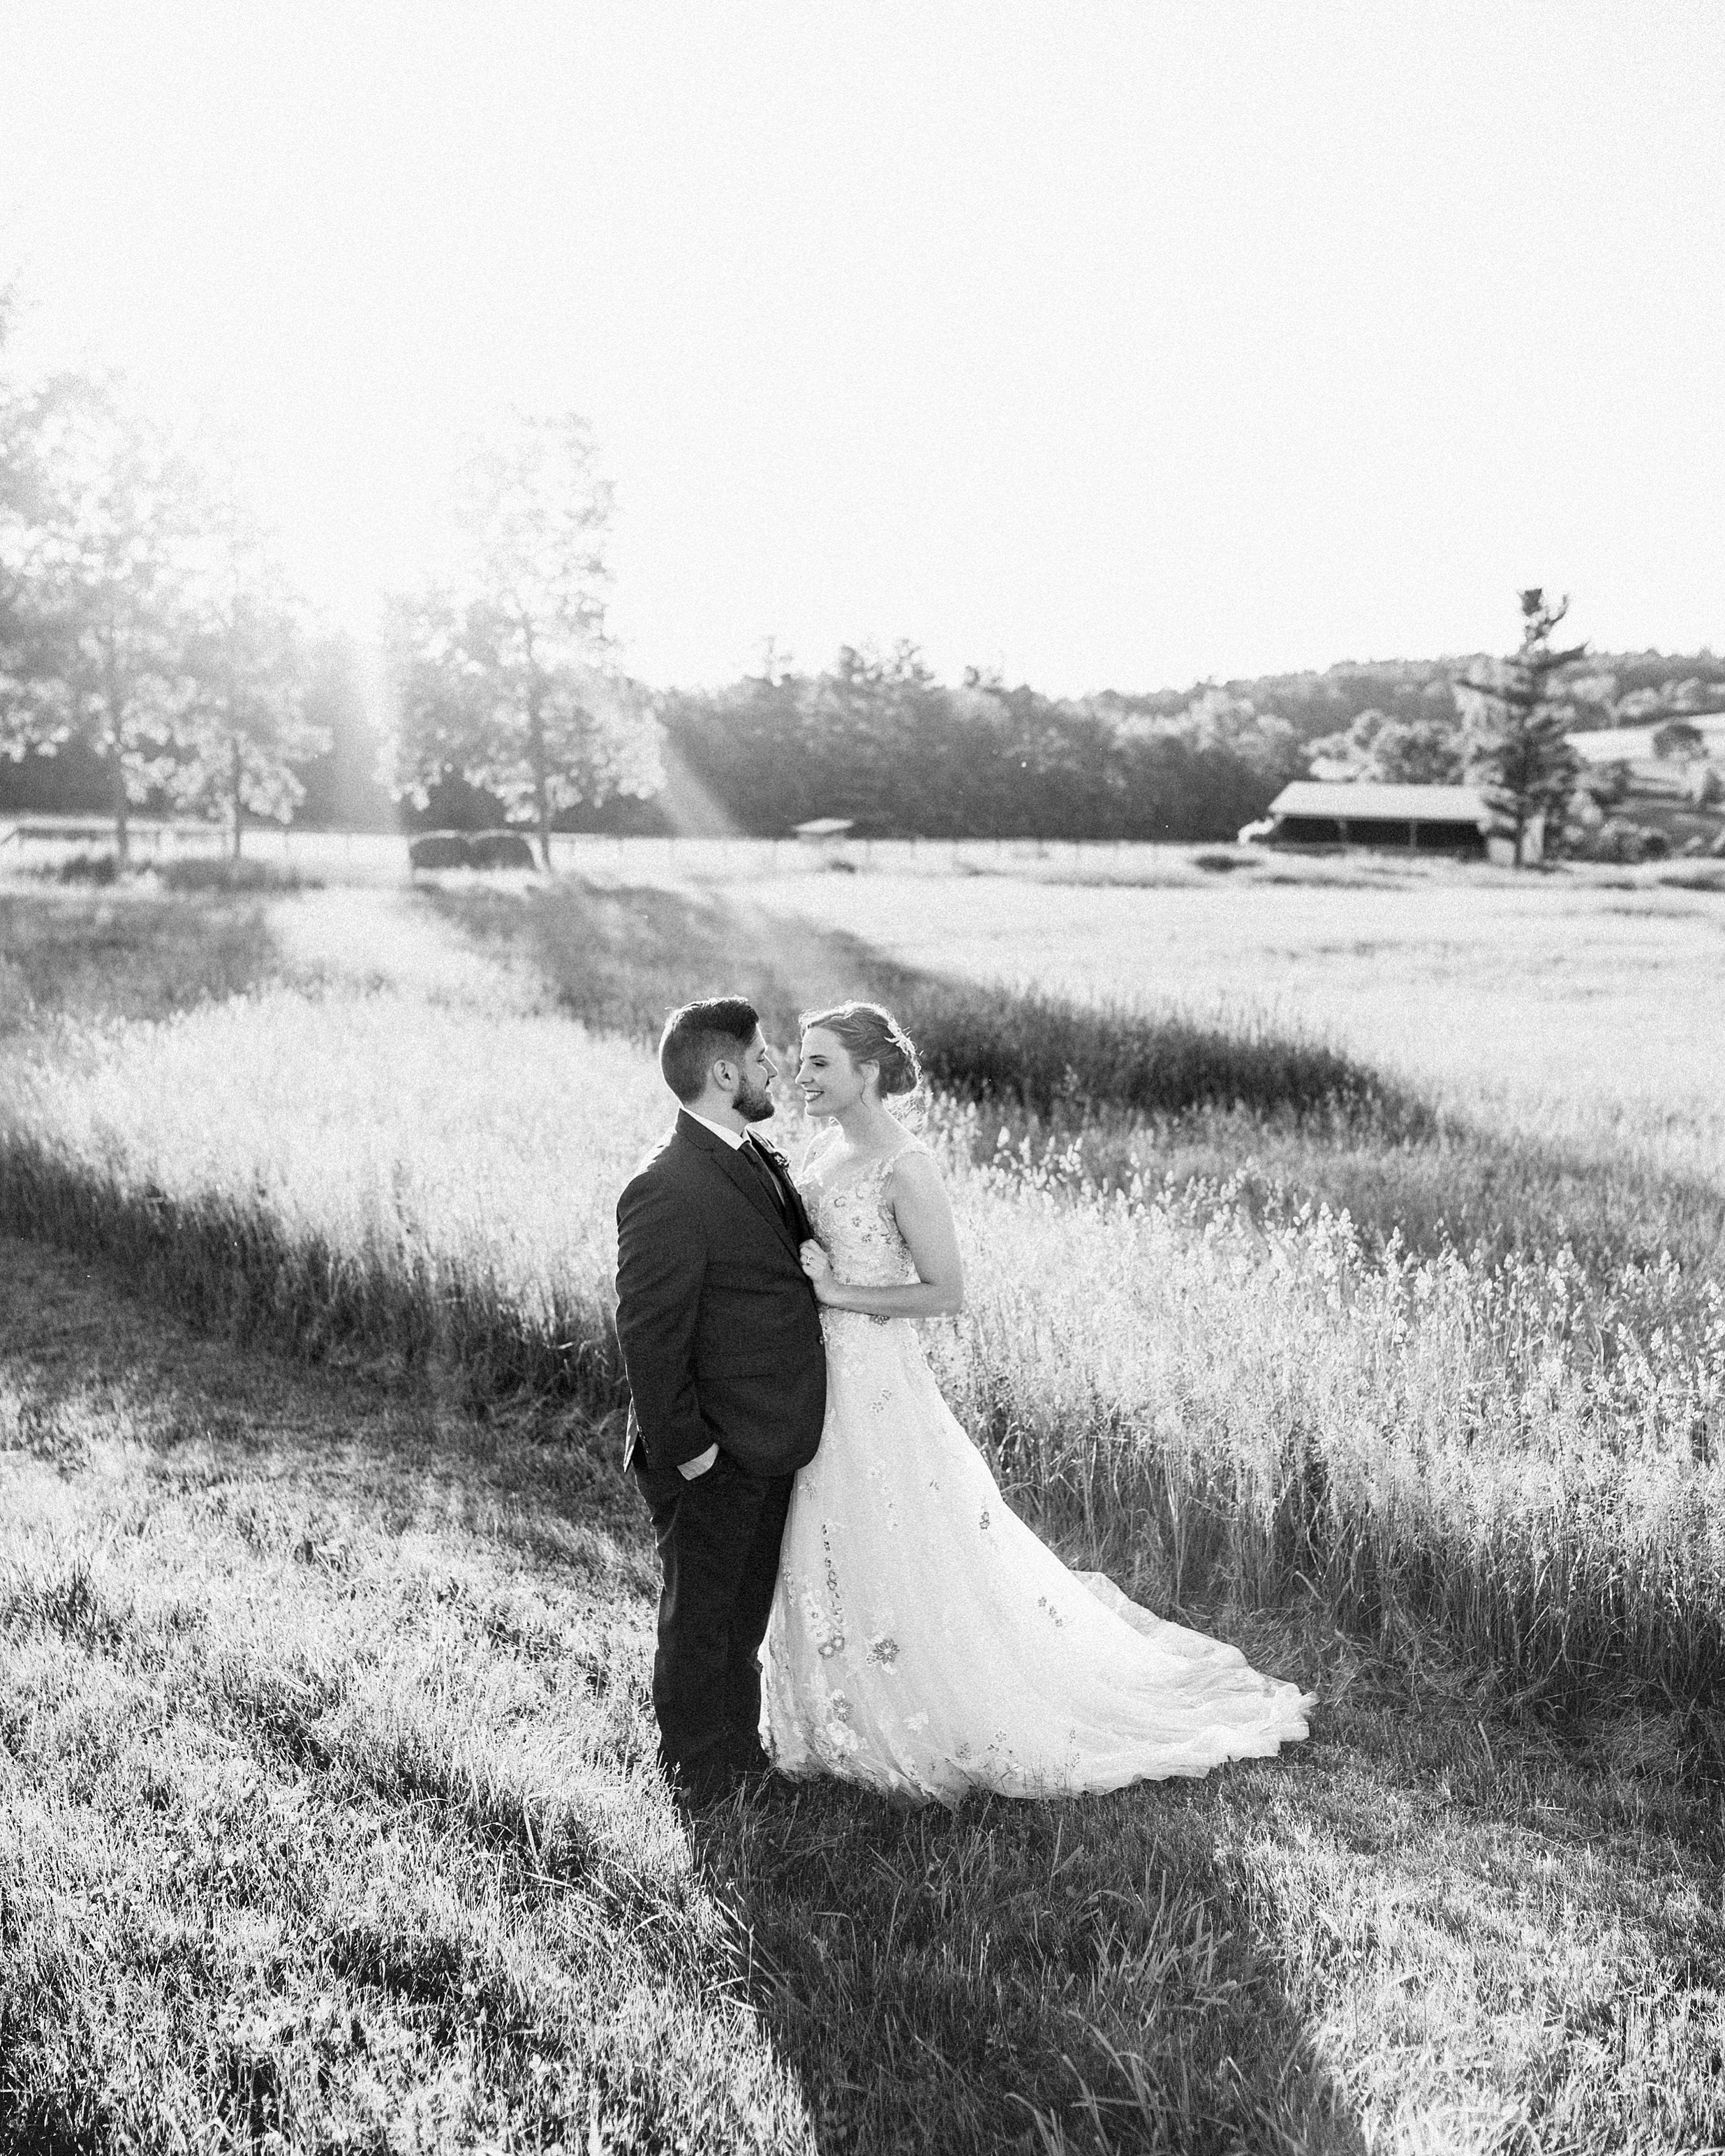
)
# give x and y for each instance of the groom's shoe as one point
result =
(753, 1771)
(748, 1759)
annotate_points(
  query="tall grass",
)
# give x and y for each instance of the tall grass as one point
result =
(369, 1172)
(1542, 1008)
(1524, 1456)
(125, 953)
(1044, 1051)
(1107, 1095)
(325, 1815)
(621, 958)
(1519, 1453)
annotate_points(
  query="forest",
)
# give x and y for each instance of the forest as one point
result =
(882, 742)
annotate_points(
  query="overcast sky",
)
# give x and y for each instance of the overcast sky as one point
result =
(1108, 345)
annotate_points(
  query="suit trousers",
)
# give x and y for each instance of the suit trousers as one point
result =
(718, 1542)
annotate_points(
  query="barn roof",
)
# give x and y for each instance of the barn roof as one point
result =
(1364, 801)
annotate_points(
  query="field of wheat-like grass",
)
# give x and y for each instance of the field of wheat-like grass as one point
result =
(325, 1808)
(1541, 1005)
(1213, 1397)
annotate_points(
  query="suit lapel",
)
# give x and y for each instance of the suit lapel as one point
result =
(746, 1178)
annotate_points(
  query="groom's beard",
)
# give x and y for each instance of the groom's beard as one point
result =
(754, 1103)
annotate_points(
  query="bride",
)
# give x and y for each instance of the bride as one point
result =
(922, 1639)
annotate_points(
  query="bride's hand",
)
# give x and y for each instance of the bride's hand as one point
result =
(818, 1267)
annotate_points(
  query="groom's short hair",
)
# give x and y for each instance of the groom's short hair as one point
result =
(698, 1034)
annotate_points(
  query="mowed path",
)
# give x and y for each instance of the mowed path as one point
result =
(325, 1810)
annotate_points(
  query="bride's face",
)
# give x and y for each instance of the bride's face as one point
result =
(828, 1079)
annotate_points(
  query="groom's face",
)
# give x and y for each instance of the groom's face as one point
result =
(752, 1096)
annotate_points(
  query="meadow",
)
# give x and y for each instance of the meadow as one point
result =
(367, 1140)
(1578, 1003)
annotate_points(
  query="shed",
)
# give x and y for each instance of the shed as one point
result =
(1438, 819)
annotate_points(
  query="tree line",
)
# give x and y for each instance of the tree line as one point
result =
(880, 742)
(153, 654)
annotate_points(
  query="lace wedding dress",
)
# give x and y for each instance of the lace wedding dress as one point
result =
(922, 1640)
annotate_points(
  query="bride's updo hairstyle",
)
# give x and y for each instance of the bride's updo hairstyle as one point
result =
(871, 1034)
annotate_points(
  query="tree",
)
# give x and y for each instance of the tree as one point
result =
(97, 518)
(1417, 751)
(1679, 741)
(1516, 727)
(17, 491)
(245, 725)
(503, 673)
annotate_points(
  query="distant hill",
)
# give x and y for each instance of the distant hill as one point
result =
(1610, 688)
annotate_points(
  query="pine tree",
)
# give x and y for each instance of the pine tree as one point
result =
(1516, 747)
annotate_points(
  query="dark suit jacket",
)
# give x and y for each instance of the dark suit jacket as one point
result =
(718, 1323)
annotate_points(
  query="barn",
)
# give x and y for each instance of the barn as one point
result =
(1425, 819)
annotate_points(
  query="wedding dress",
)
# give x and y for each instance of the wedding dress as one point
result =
(922, 1639)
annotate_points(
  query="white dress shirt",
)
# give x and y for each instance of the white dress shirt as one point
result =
(732, 1138)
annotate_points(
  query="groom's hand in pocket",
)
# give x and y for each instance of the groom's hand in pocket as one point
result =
(691, 1471)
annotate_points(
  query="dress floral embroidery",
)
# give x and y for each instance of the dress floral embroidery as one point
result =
(922, 1639)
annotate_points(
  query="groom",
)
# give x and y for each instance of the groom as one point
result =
(721, 1337)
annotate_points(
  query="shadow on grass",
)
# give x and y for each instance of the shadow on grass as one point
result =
(1073, 1976)
(127, 951)
(534, 1473)
(1483, 1915)
(620, 959)
(1067, 1976)
(1083, 1974)
(229, 1265)
(1445, 1884)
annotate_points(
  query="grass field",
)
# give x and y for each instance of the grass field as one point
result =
(346, 1574)
(1567, 1029)
(1592, 1003)
(327, 1817)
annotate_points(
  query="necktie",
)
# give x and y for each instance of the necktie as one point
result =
(764, 1169)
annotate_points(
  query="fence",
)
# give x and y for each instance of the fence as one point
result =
(44, 843)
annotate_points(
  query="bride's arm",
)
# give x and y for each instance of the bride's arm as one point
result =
(925, 1220)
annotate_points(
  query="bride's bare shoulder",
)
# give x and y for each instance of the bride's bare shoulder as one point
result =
(911, 1159)
(818, 1146)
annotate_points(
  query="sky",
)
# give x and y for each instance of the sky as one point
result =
(1109, 346)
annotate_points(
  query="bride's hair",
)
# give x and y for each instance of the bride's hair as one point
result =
(871, 1034)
